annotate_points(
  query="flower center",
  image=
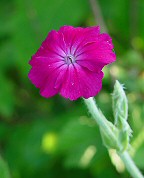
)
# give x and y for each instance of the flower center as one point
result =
(69, 59)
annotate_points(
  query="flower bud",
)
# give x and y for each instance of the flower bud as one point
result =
(120, 111)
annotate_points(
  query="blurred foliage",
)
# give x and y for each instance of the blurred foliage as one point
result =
(4, 172)
(56, 137)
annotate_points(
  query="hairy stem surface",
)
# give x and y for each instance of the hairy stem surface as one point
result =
(102, 123)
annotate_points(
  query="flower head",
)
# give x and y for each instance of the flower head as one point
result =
(70, 62)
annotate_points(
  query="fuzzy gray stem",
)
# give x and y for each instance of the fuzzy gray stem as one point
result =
(102, 123)
(130, 165)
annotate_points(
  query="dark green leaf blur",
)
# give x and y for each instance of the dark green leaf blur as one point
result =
(57, 138)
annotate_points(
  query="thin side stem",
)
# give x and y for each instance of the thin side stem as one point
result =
(98, 15)
(103, 123)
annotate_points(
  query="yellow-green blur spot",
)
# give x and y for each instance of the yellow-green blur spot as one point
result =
(138, 43)
(49, 142)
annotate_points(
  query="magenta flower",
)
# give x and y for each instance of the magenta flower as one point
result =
(70, 62)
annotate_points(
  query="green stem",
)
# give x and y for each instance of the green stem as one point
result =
(130, 165)
(102, 122)
(96, 113)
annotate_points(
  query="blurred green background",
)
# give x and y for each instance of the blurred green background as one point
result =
(51, 138)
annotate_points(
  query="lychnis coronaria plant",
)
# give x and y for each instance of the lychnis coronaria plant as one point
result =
(70, 62)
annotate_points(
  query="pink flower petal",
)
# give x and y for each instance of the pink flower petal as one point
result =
(103, 42)
(61, 76)
(41, 69)
(80, 82)
(70, 88)
(77, 37)
(100, 56)
(55, 43)
(91, 65)
(90, 83)
(99, 51)
(48, 89)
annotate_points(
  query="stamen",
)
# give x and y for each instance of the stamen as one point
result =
(69, 59)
